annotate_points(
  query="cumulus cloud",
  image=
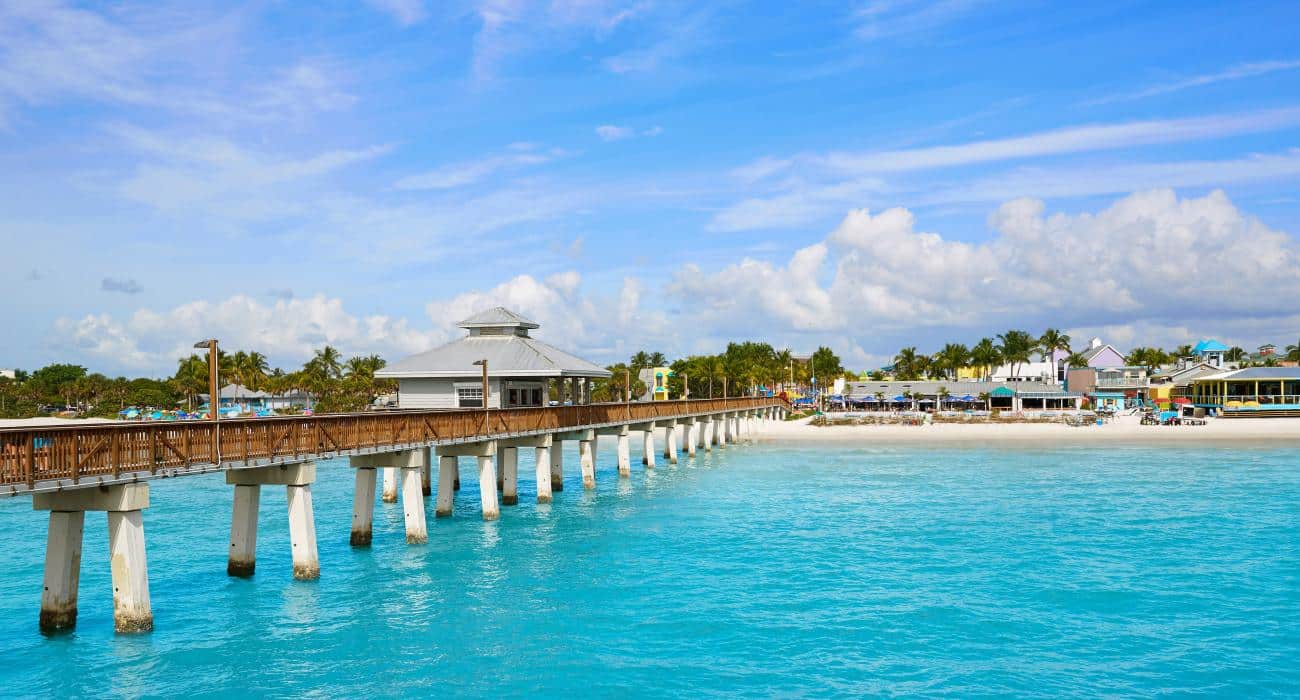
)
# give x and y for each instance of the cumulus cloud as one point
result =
(1150, 257)
(287, 331)
(603, 326)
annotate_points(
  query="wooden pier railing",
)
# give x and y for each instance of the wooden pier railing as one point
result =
(84, 451)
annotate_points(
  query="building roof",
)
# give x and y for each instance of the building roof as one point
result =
(1209, 345)
(507, 355)
(497, 317)
(1099, 349)
(930, 387)
(1252, 373)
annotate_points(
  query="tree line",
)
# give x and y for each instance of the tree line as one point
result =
(334, 383)
(740, 370)
(1017, 348)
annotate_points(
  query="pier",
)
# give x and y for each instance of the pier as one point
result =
(107, 467)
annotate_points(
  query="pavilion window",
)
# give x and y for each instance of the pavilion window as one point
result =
(470, 397)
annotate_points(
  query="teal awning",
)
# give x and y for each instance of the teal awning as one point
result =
(1002, 392)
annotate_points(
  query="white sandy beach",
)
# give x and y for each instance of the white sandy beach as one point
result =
(1124, 429)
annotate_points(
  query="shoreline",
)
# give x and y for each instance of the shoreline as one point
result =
(1125, 430)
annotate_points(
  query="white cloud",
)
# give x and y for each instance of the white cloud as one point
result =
(817, 185)
(288, 331)
(1239, 71)
(405, 12)
(611, 132)
(1149, 257)
(471, 171)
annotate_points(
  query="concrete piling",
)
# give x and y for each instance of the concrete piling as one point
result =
(390, 485)
(587, 461)
(243, 531)
(448, 466)
(417, 528)
(131, 609)
(62, 570)
(487, 478)
(302, 533)
(363, 507)
(543, 474)
(127, 561)
(557, 466)
(509, 476)
(624, 452)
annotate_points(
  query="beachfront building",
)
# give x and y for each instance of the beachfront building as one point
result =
(1250, 391)
(240, 396)
(1210, 352)
(1173, 386)
(957, 395)
(522, 371)
(8, 374)
(655, 380)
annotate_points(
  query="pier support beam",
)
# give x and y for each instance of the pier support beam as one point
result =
(390, 485)
(705, 433)
(417, 526)
(624, 452)
(487, 476)
(363, 507)
(410, 466)
(132, 611)
(62, 570)
(426, 476)
(543, 471)
(557, 466)
(670, 441)
(130, 573)
(509, 476)
(587, 460)
(243, 531)
(485, 453)
(647, 445)
(692, 426)
(720, 431)
(297, 480)
(448, 468)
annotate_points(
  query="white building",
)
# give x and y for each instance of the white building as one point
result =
(521, 369)
(8, 373)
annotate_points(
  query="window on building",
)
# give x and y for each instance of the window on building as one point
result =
(514, 397)
(470, 398)
(537, 397)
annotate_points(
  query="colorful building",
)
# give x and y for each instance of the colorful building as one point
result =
(1254, 390)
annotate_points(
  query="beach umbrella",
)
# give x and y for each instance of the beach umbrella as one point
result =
(967, 398)
(900, 399)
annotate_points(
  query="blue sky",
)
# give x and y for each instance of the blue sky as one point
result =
(642, 174)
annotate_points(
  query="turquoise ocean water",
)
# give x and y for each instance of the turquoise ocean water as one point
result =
(766, 570)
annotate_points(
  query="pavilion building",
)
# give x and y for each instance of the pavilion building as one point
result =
(522, 371)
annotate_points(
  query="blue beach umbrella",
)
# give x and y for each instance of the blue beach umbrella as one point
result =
(900, 399)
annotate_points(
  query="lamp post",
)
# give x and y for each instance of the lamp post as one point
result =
(214, 395)
(484, 364)
(627, 386)
(214, 398)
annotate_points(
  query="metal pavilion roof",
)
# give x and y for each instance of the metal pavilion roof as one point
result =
(507, 355)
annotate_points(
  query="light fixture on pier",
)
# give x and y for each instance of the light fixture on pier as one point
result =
(214, 398)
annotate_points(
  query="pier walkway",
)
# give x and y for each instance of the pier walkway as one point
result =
(69, 470)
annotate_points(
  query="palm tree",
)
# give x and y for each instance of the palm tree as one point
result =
(329, 362)
(906, 364)
(657, 359)
(986, 356)
(943, 396)
(1234, 354)
(1292, 352)
(1050, 341)
(1075, 360)
(952, 358)
(1016, 348)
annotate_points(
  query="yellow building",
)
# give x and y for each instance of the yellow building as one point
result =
(659, 387)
